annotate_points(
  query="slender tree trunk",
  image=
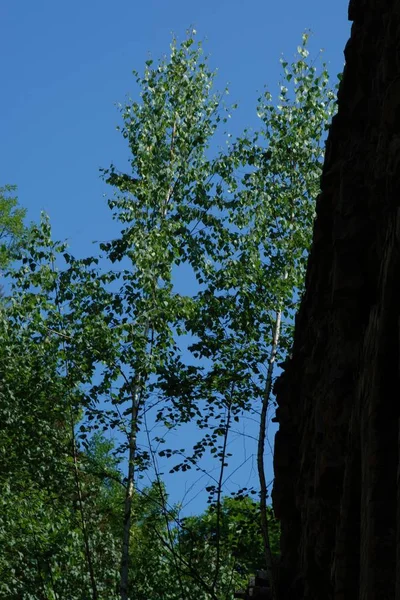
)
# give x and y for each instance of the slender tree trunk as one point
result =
(194, 572)
(124, 580)
(42, 591)
(88, 553)
(124, 575)
(164, 507)
(260, 457)
(130, 487)
(219, 493)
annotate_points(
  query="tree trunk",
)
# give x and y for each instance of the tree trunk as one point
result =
(260, 456)
(88, 553)
(130, 488)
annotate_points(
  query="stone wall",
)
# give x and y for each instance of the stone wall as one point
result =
(336, 490)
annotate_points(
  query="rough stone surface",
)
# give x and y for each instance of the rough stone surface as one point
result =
(337, 491)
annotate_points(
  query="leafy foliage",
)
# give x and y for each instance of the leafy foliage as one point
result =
(241, 551)
(11, 223)
(92, 348)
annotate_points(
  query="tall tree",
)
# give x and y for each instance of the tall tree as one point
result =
(245, 238)
(168, 135)
(11, 223)
(95, 342)
(252, 273)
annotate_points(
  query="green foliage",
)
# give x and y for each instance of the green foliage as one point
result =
(41, 539)
(92, 345)
(240, 540)
(11, 223)
(153, 572)
(249, 256)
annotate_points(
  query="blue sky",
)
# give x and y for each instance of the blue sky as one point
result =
(64, 66)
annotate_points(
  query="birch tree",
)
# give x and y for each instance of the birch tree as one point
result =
(253, 273)
(108, 329)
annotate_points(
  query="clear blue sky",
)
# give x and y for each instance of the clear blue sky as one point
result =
(64, 65)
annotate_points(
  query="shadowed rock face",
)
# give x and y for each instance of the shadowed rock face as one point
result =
(336, 452)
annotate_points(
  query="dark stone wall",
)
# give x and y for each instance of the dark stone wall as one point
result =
(336, 463)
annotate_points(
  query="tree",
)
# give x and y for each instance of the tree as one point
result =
(11, 223)
(252, 273)
(33, 440)
(167, 192)
(245, 238)
(93, 345)
(241, 543)
(45, 518)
